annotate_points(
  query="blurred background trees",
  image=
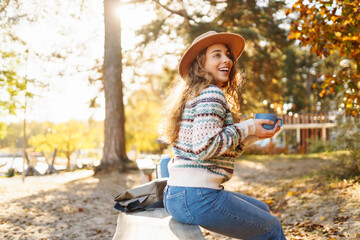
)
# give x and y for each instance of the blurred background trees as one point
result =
(291, 63)
(333, 27)
(278, 71)
(66, 138)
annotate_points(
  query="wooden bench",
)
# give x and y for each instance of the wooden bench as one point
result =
(156, 224)
(146, 167)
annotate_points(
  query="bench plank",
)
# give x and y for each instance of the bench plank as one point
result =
(154, 224)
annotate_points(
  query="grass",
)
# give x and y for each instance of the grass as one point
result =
(275, 157)
(335, 170)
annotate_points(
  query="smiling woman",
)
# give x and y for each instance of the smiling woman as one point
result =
(219, 62)
(206, 137)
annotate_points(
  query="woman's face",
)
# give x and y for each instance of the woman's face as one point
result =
(218, 62)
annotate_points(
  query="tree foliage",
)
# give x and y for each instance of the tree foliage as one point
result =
(143, 110)
(266, 41)
(66, 138)
(333, 26)
(45, 141)
(11, 84)
(348, 138)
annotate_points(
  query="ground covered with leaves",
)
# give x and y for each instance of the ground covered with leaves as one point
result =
(300, 193)
(72, 205)
(78, 205)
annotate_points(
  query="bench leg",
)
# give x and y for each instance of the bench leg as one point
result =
(145, 177)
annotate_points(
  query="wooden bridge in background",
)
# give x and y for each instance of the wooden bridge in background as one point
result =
(314, 126)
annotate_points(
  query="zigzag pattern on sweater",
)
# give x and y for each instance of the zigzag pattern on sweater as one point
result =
(208, 139)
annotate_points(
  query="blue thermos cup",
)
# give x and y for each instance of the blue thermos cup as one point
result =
(165, 159)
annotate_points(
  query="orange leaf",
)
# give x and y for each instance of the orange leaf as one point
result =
(289, 194)
(313, 49)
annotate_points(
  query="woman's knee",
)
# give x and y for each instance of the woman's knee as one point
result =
(252, 201)
(265, 207)
(262, 205)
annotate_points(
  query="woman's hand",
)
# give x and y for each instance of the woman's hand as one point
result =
(263, 133)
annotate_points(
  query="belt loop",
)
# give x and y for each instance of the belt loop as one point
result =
(200, 192)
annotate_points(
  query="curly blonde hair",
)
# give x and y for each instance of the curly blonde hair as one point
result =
(197, 79)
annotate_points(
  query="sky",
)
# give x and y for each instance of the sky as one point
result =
(68, 96)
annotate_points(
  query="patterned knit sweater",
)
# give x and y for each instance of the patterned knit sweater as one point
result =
(208, 142)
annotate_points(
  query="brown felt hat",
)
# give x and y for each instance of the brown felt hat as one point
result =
(235, 43)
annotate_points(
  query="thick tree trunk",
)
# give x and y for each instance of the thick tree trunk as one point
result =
(114, 156)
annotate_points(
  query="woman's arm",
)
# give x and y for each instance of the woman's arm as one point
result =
(213, 130)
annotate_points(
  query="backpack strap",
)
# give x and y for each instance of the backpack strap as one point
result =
(158, 204)
(131, 207)
(135, 206)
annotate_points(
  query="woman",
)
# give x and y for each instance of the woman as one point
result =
(200, 126)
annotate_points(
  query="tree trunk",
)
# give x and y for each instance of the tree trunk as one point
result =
(68, 165)
(114, 155)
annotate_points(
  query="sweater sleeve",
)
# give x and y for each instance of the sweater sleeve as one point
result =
(211, 137)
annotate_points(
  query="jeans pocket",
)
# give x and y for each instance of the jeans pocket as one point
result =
(177, 207)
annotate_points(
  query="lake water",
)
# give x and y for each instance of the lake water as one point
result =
(41, 166)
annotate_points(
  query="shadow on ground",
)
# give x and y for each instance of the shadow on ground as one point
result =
(310, 207)
(80, 209)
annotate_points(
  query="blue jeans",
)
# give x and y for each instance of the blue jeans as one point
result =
(228, 213)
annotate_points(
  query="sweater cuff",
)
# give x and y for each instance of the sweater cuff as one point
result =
(245, 128)
(249, 140)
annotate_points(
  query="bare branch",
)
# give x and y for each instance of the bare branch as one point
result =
(133, 2)
(181, 12)
(81, 8)
(218, 1)
(6, 3)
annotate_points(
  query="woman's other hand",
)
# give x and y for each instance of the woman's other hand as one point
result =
(263, 133)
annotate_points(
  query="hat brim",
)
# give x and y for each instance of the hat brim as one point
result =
(235, 42)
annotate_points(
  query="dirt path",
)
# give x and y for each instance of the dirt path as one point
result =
(79, 206)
